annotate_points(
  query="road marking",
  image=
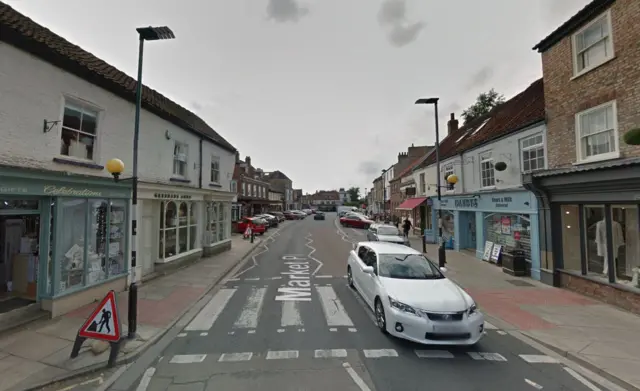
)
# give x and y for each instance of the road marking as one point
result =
(324, 276)
(146, 379)
(433, 354)
(233, 279)
(377, 353)
(489, 326)
(502, 332)
(187, 358)
(533, 384)
(282, 354)
(209, 314)
(251, 332)
(581, 379)
(334, 312)
(290, 314)
(231, 332)
(277, 278)
(333, 329)
(234, 357)
(182, 335)
(98, 380)
(298, 287)
(248, 318)
(204, 334)
(355, 377)
(486, 356)
(330, 353)
(301, 330)
(352, 329)
(281, 330)
(252, 279)
(538, 359)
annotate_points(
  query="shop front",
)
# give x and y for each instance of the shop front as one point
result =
(179, 224)
(594, 228)
(508, 219)
(420, 212)
(64, 239)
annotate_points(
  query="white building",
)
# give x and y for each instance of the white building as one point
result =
(63, 115)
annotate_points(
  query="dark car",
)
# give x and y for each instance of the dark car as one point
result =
(386, 233)
(318, 216)
(279, 215)
(272, 220)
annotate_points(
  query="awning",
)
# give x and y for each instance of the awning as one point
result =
(412, 203)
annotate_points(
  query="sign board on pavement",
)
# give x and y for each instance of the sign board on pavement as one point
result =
(103, 323)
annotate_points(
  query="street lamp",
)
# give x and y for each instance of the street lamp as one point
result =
(116, 168)
(442, 255)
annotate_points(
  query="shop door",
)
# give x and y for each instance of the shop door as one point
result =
(147, 245)
(472, 230)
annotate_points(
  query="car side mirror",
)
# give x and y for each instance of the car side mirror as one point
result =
(368, 269)
(443, 269)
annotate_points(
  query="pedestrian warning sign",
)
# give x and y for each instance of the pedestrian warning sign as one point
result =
(103, 323)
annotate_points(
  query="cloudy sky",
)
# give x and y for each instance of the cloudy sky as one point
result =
(322, 90)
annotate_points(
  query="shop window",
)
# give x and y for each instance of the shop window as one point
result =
(176, 226)
(79, 128)
(596, 239)
(448, 228)
(571, 254)
(71, 243)
(223, 217)
(193, 226)
(626, 249)
(19, 204)
(512, 231)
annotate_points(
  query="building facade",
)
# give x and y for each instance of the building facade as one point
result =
(281, 183)
(65, 223)
(377, 196)
(589, 196)
(275, 200)
(253, 189)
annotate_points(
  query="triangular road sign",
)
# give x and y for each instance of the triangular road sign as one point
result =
(103, 323)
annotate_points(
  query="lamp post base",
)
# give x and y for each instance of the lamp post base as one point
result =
(133, 310)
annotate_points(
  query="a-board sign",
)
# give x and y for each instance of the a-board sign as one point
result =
(495, 253)
(103, 323)
(488, 247)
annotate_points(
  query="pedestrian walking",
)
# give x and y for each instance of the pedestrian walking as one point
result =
(406, 227)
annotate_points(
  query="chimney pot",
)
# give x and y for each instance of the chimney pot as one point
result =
(452, 125)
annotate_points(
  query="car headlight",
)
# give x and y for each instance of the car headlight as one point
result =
(402, 307)
(473, 309)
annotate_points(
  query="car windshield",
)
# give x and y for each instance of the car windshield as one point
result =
(391, 231)
(407, 267)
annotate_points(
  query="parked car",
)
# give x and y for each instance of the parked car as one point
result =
(411, 297)
(386, 233)
(301, 215)
(289, 215)
(318, 216)
(356, 221)
(272, 220)
(279, 215)
(258, 226)
(307, 211)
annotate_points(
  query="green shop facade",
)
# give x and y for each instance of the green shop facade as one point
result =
(64, 238)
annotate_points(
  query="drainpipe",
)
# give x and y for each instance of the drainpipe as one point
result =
(200, 173)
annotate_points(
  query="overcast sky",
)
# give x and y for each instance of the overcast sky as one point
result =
(322, 90)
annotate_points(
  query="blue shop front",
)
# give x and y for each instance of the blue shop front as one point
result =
(507, 218)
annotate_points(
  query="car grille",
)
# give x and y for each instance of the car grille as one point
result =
(447, 337)
(448, 317)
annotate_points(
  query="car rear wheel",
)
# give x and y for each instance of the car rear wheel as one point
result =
(350, 278)
(381, 319)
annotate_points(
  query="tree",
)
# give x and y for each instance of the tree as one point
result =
(485, 102)
(354, 194)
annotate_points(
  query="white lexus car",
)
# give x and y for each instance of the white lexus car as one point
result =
(410, 296)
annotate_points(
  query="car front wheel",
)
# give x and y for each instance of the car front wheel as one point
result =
(381, 319)
(350, 278)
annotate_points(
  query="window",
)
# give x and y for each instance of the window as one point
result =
(592, 46)
(178, 228)
(533, 158)
(244, 188)
(448, 170)
(597, 133)
(487, 174)
(512, 231)
(180, 153)
(233, 187)
(218, 221)
(79, 127)
(215, 169)
(423, 184)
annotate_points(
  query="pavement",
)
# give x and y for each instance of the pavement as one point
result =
(286, 320)
(38, 354)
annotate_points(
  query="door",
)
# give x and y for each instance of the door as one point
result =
(358, 274)
(369, 280)
(472, 230)
(371, 235)
(147, 245)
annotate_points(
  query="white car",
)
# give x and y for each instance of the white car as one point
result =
(410, 296)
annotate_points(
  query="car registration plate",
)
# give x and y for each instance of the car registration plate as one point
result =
(446, 329)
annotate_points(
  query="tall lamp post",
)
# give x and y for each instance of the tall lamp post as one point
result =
(116, 167)
(442, 255)
(384, 195)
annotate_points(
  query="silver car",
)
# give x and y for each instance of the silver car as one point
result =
(386, 233)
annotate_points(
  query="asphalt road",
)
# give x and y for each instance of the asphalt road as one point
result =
(253, 335)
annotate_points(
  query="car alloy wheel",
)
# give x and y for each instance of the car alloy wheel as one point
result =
(350, 278)
(380, 317)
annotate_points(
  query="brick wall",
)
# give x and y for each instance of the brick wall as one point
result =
(619, 297)
(618, 79)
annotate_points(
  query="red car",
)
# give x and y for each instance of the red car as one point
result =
(256, 225)
(355, 222)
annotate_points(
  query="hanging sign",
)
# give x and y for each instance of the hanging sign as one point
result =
(488, 246)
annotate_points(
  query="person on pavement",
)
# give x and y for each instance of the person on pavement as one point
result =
(406, 227)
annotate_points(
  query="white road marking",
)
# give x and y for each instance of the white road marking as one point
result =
(356, 378)
(233, 279)
(301, 330)
(290, 314)
(251, 332)
(486, 356)
(333, 329)
(538, 359)
(252, 279)
(581, 379)
(433, 354)
(277, 278)
(502, 332)
(233, 357)
(181, 335)
(329, 353)
(281, 330)
(231, 332)
(209, 314)
(489, 326)
(146, 379)
(324, 276)
(310, 255)
(187, 358)
(533, 384)
(352, 329)
(282, 354)
(334, 312)
(377, 353)
(248, 318)
(204, 334)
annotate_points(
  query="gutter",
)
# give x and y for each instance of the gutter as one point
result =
(200, 173)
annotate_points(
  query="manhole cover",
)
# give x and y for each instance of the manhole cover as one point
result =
(520, 283)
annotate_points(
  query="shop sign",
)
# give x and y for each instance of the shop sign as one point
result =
(466, 203)
(70, 191)
(13, 190)
(26, 187)
(502, 202)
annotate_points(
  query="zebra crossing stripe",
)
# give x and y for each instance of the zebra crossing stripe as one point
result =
(234, 357)
(208, 315)
(291, 314)
(330, 353)
(378, 353)
(248, 318)
(334, 311)
(434, 354)
(486, 356)
(282, 354)
(187, 358)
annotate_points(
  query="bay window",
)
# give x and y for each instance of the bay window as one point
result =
(178, 228)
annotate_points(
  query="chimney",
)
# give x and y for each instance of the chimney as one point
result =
(248, 161)
(452, 125)
(237, 156)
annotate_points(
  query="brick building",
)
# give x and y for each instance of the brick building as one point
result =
(252, 187)
(589, 195)
(405, 160)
